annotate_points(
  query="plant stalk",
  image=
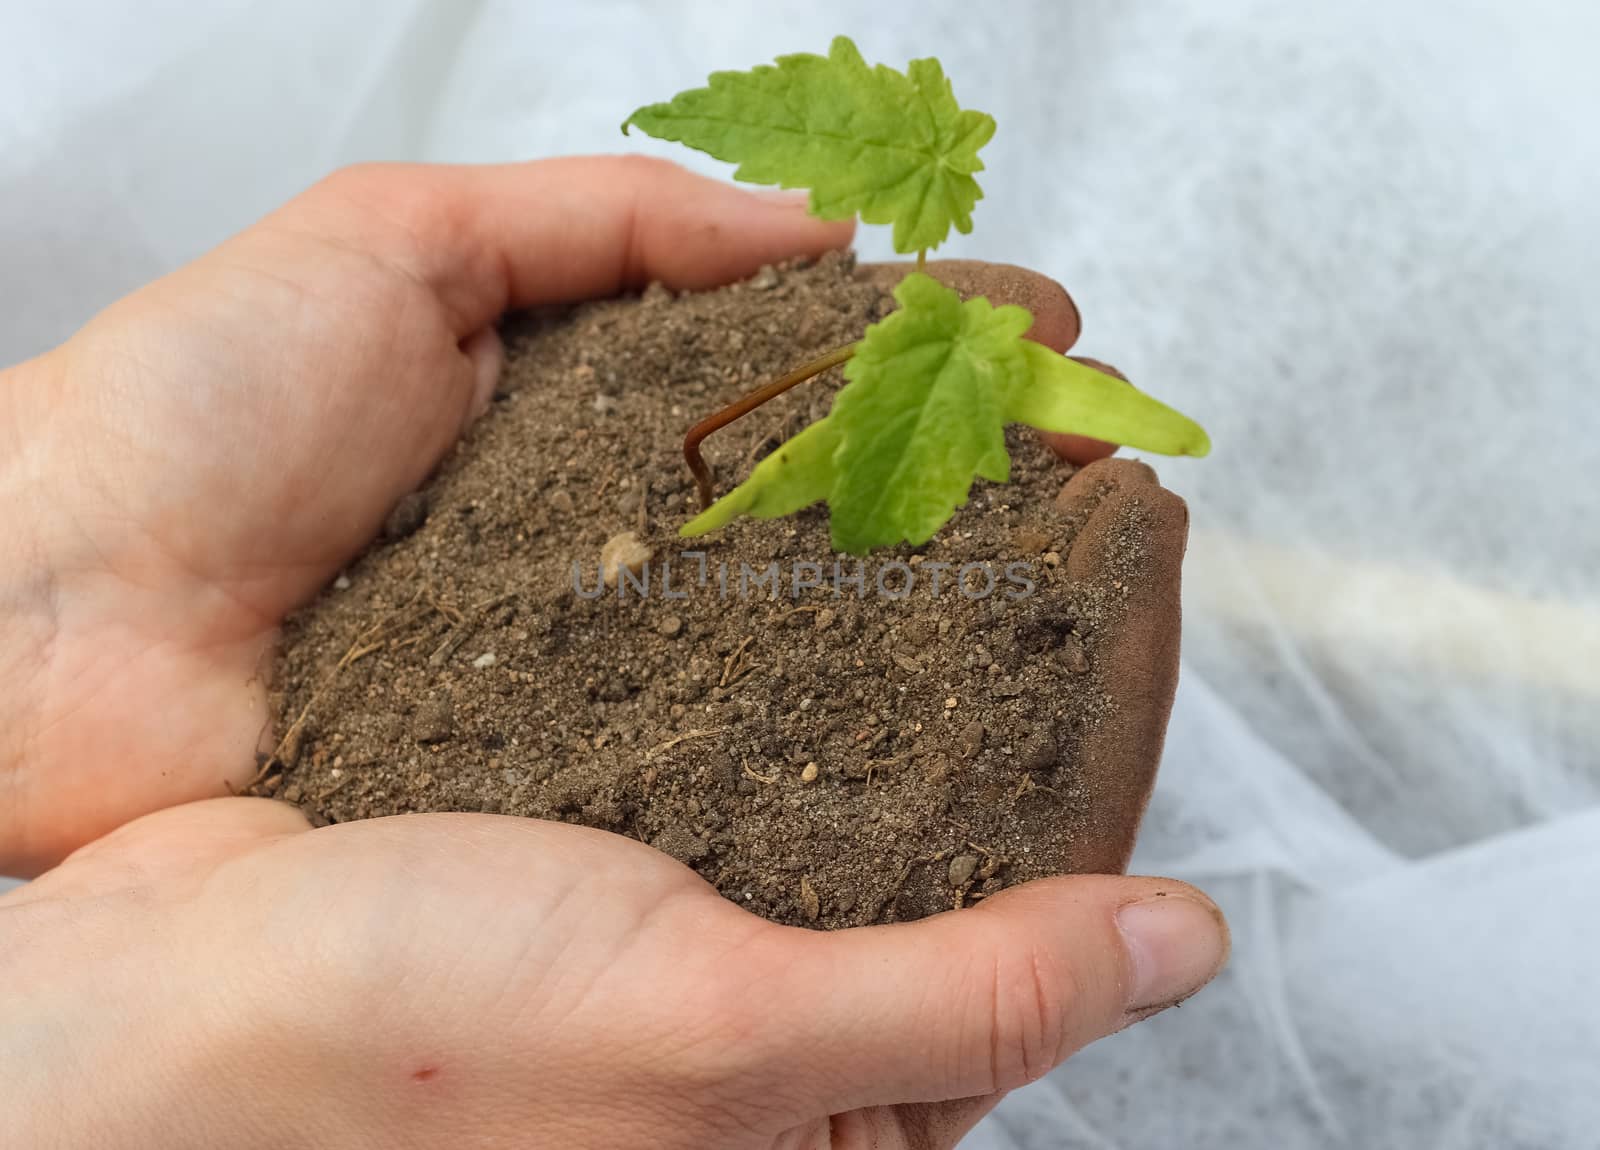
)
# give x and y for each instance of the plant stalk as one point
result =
(744, 406)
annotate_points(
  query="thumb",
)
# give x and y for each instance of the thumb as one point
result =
(980, 1001)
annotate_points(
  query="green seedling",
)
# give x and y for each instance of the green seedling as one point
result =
(932, 386)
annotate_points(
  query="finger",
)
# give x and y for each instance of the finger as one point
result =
(1055, 317)
(1080, 449)
(488, 239)
(1112, 501)
(976, 1002)
(1056, 322)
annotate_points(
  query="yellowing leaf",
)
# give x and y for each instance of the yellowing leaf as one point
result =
(894, 148)
(930, 391)
(1064, 395)
(796, 475)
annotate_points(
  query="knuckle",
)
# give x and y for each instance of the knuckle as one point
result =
(1033, 996)
(647, 169)
(398, 205)
(355, 182)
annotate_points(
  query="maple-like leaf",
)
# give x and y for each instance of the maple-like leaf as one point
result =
(931, 389)
(891, 147)
(923, 414)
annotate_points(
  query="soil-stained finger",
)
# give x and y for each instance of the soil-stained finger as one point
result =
(1131, 540)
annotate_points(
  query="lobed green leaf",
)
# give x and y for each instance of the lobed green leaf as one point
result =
(922, 415)
(894, 148)
(930, 391)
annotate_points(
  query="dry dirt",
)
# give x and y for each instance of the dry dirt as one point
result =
(823, 759)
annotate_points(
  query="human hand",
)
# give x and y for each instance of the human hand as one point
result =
(219, 975)
(202, 458)
(207, 453)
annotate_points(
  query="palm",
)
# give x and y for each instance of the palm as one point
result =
(588, 946)
(518, 969)
(234, 446)
(260, 489)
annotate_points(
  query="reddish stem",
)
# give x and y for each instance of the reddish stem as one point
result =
(744, 406)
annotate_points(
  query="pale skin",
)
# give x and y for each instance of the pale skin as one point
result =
(195, 971)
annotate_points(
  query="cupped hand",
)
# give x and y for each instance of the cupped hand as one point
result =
(200, 459)
(219, 975)
(208, 452)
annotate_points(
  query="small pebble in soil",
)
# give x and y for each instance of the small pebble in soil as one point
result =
(560, 501)
(972, 739)
(433, 723)
(624, 550)
(670, 627)
(407, 517)
(810, 904)
(1038, 751)
(485, 660)
(1031, 541)
(808, 774)
(961, 868)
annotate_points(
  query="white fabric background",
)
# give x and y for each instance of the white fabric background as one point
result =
(1359, 241)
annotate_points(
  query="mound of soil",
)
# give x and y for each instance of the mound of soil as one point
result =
(825, 755)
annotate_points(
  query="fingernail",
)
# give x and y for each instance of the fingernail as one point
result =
(783, 197)
(1176, 945)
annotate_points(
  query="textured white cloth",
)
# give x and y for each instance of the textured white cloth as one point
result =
(1359, 241)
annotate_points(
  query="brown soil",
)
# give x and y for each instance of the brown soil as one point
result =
(822, 759)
